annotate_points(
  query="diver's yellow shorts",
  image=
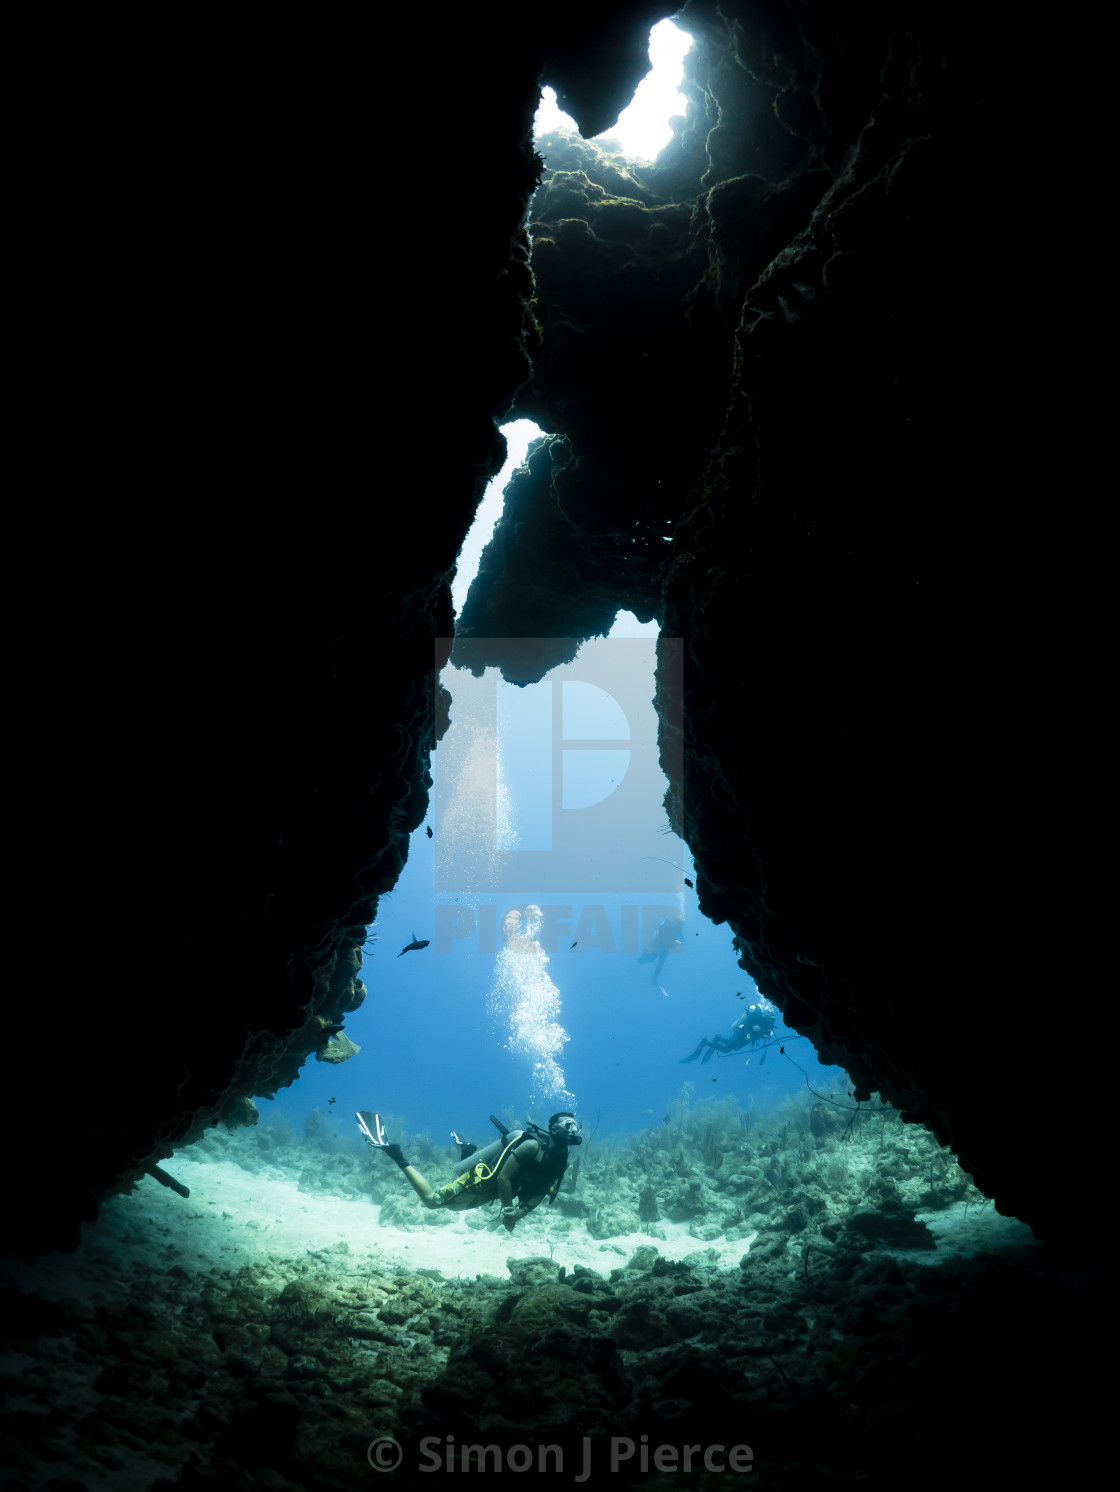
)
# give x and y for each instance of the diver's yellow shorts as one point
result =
(468, 1190)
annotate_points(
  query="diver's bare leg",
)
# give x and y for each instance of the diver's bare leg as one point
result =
(413, 1177)
(422, 1189)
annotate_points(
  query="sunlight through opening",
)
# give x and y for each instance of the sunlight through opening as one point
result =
(519, 436)
(643, 128)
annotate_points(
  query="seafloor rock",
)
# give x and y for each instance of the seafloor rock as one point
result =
(611, 1221)
(543, 1307)
(643, 1258)
(899, 1229)
(533, 1271)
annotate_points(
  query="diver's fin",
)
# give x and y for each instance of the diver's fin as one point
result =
(373, 1131)
(692, 1056)
(466, 1147)
(708, 1055)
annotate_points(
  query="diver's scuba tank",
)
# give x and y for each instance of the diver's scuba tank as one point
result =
(487, 1154)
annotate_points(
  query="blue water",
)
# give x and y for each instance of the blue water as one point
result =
(439, 1028)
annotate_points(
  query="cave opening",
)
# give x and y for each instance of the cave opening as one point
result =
(782, 367)
(643, 128)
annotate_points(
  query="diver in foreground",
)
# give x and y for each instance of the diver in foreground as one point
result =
(523, 1164)
(755, 1024)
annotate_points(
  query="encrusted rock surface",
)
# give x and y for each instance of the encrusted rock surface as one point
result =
(776, 427)
(180, 1348)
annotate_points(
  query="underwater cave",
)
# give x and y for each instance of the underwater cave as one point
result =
(778, 369)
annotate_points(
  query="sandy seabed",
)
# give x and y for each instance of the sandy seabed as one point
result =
(235, 1217)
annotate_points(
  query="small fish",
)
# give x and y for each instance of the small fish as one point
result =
(428, 831)
(715, 1080)
(781, 1051)
(690, 886)
(330, 1101)
(416, 944)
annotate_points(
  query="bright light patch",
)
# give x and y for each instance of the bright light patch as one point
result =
(643, 127)
(550, 116)
(626, 624)
(518, 434)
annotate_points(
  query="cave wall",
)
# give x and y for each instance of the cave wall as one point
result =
(283, 282)
(286, 300)
(796, 291)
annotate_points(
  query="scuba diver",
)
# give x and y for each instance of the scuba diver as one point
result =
(663, 942)
(518, 1170)
(755, 1024)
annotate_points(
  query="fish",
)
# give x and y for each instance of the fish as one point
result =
(781, 1051)
(330, 1101)
(416, 944)
(573, 945)
(690, 886)
(428, 831)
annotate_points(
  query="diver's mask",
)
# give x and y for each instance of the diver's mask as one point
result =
(567, 1128)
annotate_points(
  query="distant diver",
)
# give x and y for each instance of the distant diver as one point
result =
(755, 1024)
(517, 1170)
(663, 942)
(414, 946)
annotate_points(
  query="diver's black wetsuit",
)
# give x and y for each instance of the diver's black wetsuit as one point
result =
(755, 1024)
(663, 942)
